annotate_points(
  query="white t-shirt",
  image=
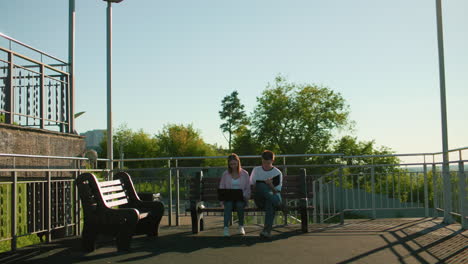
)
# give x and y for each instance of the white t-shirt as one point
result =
(259, 174)
(236, 183)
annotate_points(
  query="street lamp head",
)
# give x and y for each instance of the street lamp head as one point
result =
(113, 1)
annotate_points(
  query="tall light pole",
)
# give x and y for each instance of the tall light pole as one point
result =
(110, 147)
(71, 65)
(447, 193)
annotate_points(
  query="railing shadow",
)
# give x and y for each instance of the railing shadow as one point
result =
(422, 241)
(426, 241)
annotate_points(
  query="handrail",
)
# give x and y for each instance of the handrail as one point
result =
(46, 157)
(242, 156)
(29, 47)
(223, 157)
(50, 67)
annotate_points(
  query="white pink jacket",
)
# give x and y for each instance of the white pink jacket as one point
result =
(244, 180)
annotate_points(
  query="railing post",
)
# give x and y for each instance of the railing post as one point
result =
(10, 92)
(374, 212)
(462, 186)
(434, 189)
(342, 196)
(48, 209)
(14, 211)
(77, 201)
(170, 193)
(314, 201)
(303, 201)
(321, 198)
(70, 114)
(426, 195)
(42, 100)
(285, 169)
(177, 194)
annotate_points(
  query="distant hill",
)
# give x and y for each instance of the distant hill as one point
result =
(93, 138)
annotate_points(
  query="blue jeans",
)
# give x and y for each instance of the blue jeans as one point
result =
(239, 206)
(266, 200)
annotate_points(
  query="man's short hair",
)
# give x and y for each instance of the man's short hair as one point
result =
(268, 155)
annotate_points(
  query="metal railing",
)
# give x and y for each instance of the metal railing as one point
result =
(42, 198)
(34, 93)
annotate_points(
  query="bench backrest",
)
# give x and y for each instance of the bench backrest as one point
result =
(105, 194)
(205, 189)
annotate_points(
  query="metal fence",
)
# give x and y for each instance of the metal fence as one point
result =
(34, 92)
(43, 201)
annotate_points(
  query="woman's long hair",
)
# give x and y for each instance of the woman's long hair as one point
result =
(234, 156)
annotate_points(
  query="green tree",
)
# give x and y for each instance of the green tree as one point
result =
(350, 146)
(184, 141)
(244, 142)
(134, 144)
(294, 118)
(233, 113)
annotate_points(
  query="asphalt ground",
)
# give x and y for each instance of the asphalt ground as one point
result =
(416, 240)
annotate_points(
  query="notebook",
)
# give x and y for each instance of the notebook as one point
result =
(275, 180)
(230, 195)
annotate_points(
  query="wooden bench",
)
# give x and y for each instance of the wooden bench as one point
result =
(114, 208)
(203, 189)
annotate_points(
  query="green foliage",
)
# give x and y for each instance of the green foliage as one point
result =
(136, 144)
(185, 141)
(350, 146)
(244, 142)
(173, 141)
(233, 114)
(292, 118)
(2, 118)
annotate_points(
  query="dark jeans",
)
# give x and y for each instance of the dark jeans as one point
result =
(266, 200)
(239, 205)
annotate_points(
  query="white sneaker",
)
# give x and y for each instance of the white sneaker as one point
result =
(226, 231)
(241, 230)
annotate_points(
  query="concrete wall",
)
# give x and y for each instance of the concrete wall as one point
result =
(33, 141)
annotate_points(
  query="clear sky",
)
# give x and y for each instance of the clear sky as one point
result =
(174, 61)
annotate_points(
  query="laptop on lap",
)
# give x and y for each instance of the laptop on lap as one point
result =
(230, 195)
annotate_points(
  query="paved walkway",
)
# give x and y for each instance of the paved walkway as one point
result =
(419, 240)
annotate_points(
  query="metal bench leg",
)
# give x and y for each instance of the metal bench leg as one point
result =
(88, 237)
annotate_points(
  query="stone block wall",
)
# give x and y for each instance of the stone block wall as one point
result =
(32, 141)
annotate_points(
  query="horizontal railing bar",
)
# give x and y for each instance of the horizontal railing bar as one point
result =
(250, 156)
(38, 76)
(38, 73)
(370, 209)
(33, 66)
(35, 117)
(29, 47)
(404, 155)
(224, 157)
(32, 60)
(52, 170)
(46, 157)
(452, 213)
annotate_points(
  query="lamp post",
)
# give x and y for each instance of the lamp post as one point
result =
(110, 147)
(447, 193)
(71, 65)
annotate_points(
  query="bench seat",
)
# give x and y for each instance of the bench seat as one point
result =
(204, 190)
(114, 208)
